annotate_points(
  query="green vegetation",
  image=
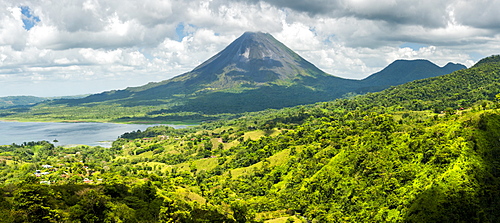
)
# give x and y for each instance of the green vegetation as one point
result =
(23, 101)
(105, 113)
(12, 101)
(426, 151)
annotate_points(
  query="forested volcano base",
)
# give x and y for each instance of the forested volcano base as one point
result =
(389, 156)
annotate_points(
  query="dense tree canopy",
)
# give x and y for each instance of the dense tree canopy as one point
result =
(426, 151)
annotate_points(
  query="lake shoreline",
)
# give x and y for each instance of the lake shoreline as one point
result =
(69, 133)
(193, 123)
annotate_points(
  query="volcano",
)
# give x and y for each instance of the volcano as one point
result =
(255, 72)
(256, 58)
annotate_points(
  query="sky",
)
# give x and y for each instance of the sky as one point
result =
(72, 47)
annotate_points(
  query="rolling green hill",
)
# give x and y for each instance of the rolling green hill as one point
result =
(12, 101)
(390, 156)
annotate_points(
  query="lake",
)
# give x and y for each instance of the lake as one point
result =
(92, 134)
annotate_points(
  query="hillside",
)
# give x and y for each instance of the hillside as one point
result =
(389, 156)
(12, 101)
(403, 71)
(26, 101)
(253, 73)
(457, 90)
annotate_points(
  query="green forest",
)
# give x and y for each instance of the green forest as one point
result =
(425, 151)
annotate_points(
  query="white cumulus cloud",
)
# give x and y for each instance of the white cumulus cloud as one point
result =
(87, 46)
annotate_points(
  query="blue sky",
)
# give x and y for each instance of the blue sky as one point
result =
(29, 20)
(179, 30)
(71, 47)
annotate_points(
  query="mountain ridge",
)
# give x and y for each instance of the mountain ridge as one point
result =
(403, 71)
(11, 101)
(253, 62)
(255, 72)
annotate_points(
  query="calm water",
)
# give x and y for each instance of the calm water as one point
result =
(92, 134)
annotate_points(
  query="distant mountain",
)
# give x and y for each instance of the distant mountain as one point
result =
(403, 71)
(253, 73)
(15, 101)
(11, 101)
(460, 89)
